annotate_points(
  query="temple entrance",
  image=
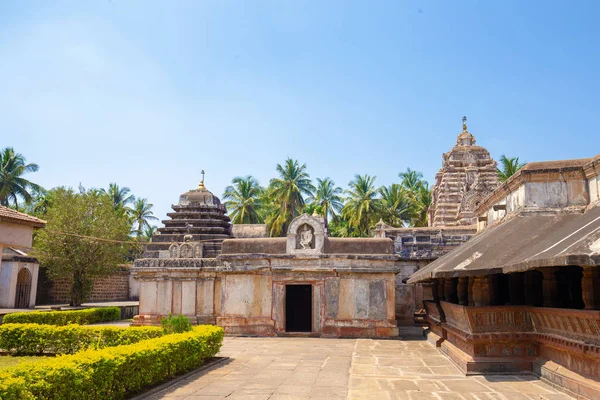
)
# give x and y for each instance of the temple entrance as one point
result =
(23, 289)
(298, 308)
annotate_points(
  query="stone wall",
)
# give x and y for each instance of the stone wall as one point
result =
(115, 287)
(250, 231)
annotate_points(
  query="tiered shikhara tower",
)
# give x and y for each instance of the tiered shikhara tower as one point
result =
(200, 220)
(468, 174)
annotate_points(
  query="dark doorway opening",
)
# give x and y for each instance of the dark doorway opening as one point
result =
(298, 308)
(23, 288)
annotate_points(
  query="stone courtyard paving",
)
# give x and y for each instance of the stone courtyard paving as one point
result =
(310, 368)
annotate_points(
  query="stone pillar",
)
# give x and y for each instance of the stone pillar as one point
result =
(482, 291)
(470, 291)
(450, 291)
(463, 291)
(440, 289)
(516, 288)
(550, 287)
(590, 286)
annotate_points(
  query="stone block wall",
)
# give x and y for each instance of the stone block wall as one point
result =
(114, 287)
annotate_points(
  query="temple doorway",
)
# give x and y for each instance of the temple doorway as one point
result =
(298, 308)
(23, 289)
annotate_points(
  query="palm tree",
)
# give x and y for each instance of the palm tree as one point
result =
(41, 200)
(361, 203)
(396, 205)
(421, 202)
(243, 200)
(120, 197)
(148, 232)
(286, 194)
(12, 185)
(140, 214)
(418, 189)
(327, 197)
(411, 180)
(510, 166)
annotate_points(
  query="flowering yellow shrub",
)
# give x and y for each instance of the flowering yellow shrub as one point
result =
(32, 339)
(112, 372)
(81, 317)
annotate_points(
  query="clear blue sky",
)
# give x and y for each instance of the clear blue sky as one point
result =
(148, 93)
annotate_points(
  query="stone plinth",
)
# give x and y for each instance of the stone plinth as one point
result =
(561, 345)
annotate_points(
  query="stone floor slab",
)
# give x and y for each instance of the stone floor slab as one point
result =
(314, 368)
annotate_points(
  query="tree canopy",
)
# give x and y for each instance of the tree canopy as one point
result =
(13, 187)
(82, 239)
(509, 167)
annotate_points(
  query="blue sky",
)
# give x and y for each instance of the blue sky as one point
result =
(148, 93)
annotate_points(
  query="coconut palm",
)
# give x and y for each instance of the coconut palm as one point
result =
(12, 185)
(396, 205)
(328, 198)
(421, 203)
(286, 193)
(411, 180)
(148, 232)
(243, 200)
(140, 214)
(361, 204)
(120, 196)
(510, 166)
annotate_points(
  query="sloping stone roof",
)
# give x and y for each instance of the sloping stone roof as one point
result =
(522, 243)
(15, 217)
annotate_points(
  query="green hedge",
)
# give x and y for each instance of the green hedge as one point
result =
(32, 339)
(81, 317)
(113, 372)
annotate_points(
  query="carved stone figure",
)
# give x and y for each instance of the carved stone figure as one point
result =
(186, 251)
(306, 237)
(174, 251)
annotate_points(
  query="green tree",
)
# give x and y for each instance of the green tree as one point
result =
(81, 239)
(510, 166)
(328, 198)
(148, 232)
(421, 203)
(243, 200)
(120, 196)
(420, 195)
(361, 204)
(286, 193)
(411, 180)
(140, 214)
(396, 205)
(12, 184)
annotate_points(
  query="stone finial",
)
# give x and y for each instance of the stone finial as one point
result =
(201, 184)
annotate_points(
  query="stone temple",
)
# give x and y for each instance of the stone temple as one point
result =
(467, 176)
(302, 284)
(523, 296)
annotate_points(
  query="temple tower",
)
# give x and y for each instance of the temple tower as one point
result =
(467, 175)
(199, 218)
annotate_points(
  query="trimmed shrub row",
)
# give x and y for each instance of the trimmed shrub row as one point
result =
(81, 317)
(34, 339)
(113, 372)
